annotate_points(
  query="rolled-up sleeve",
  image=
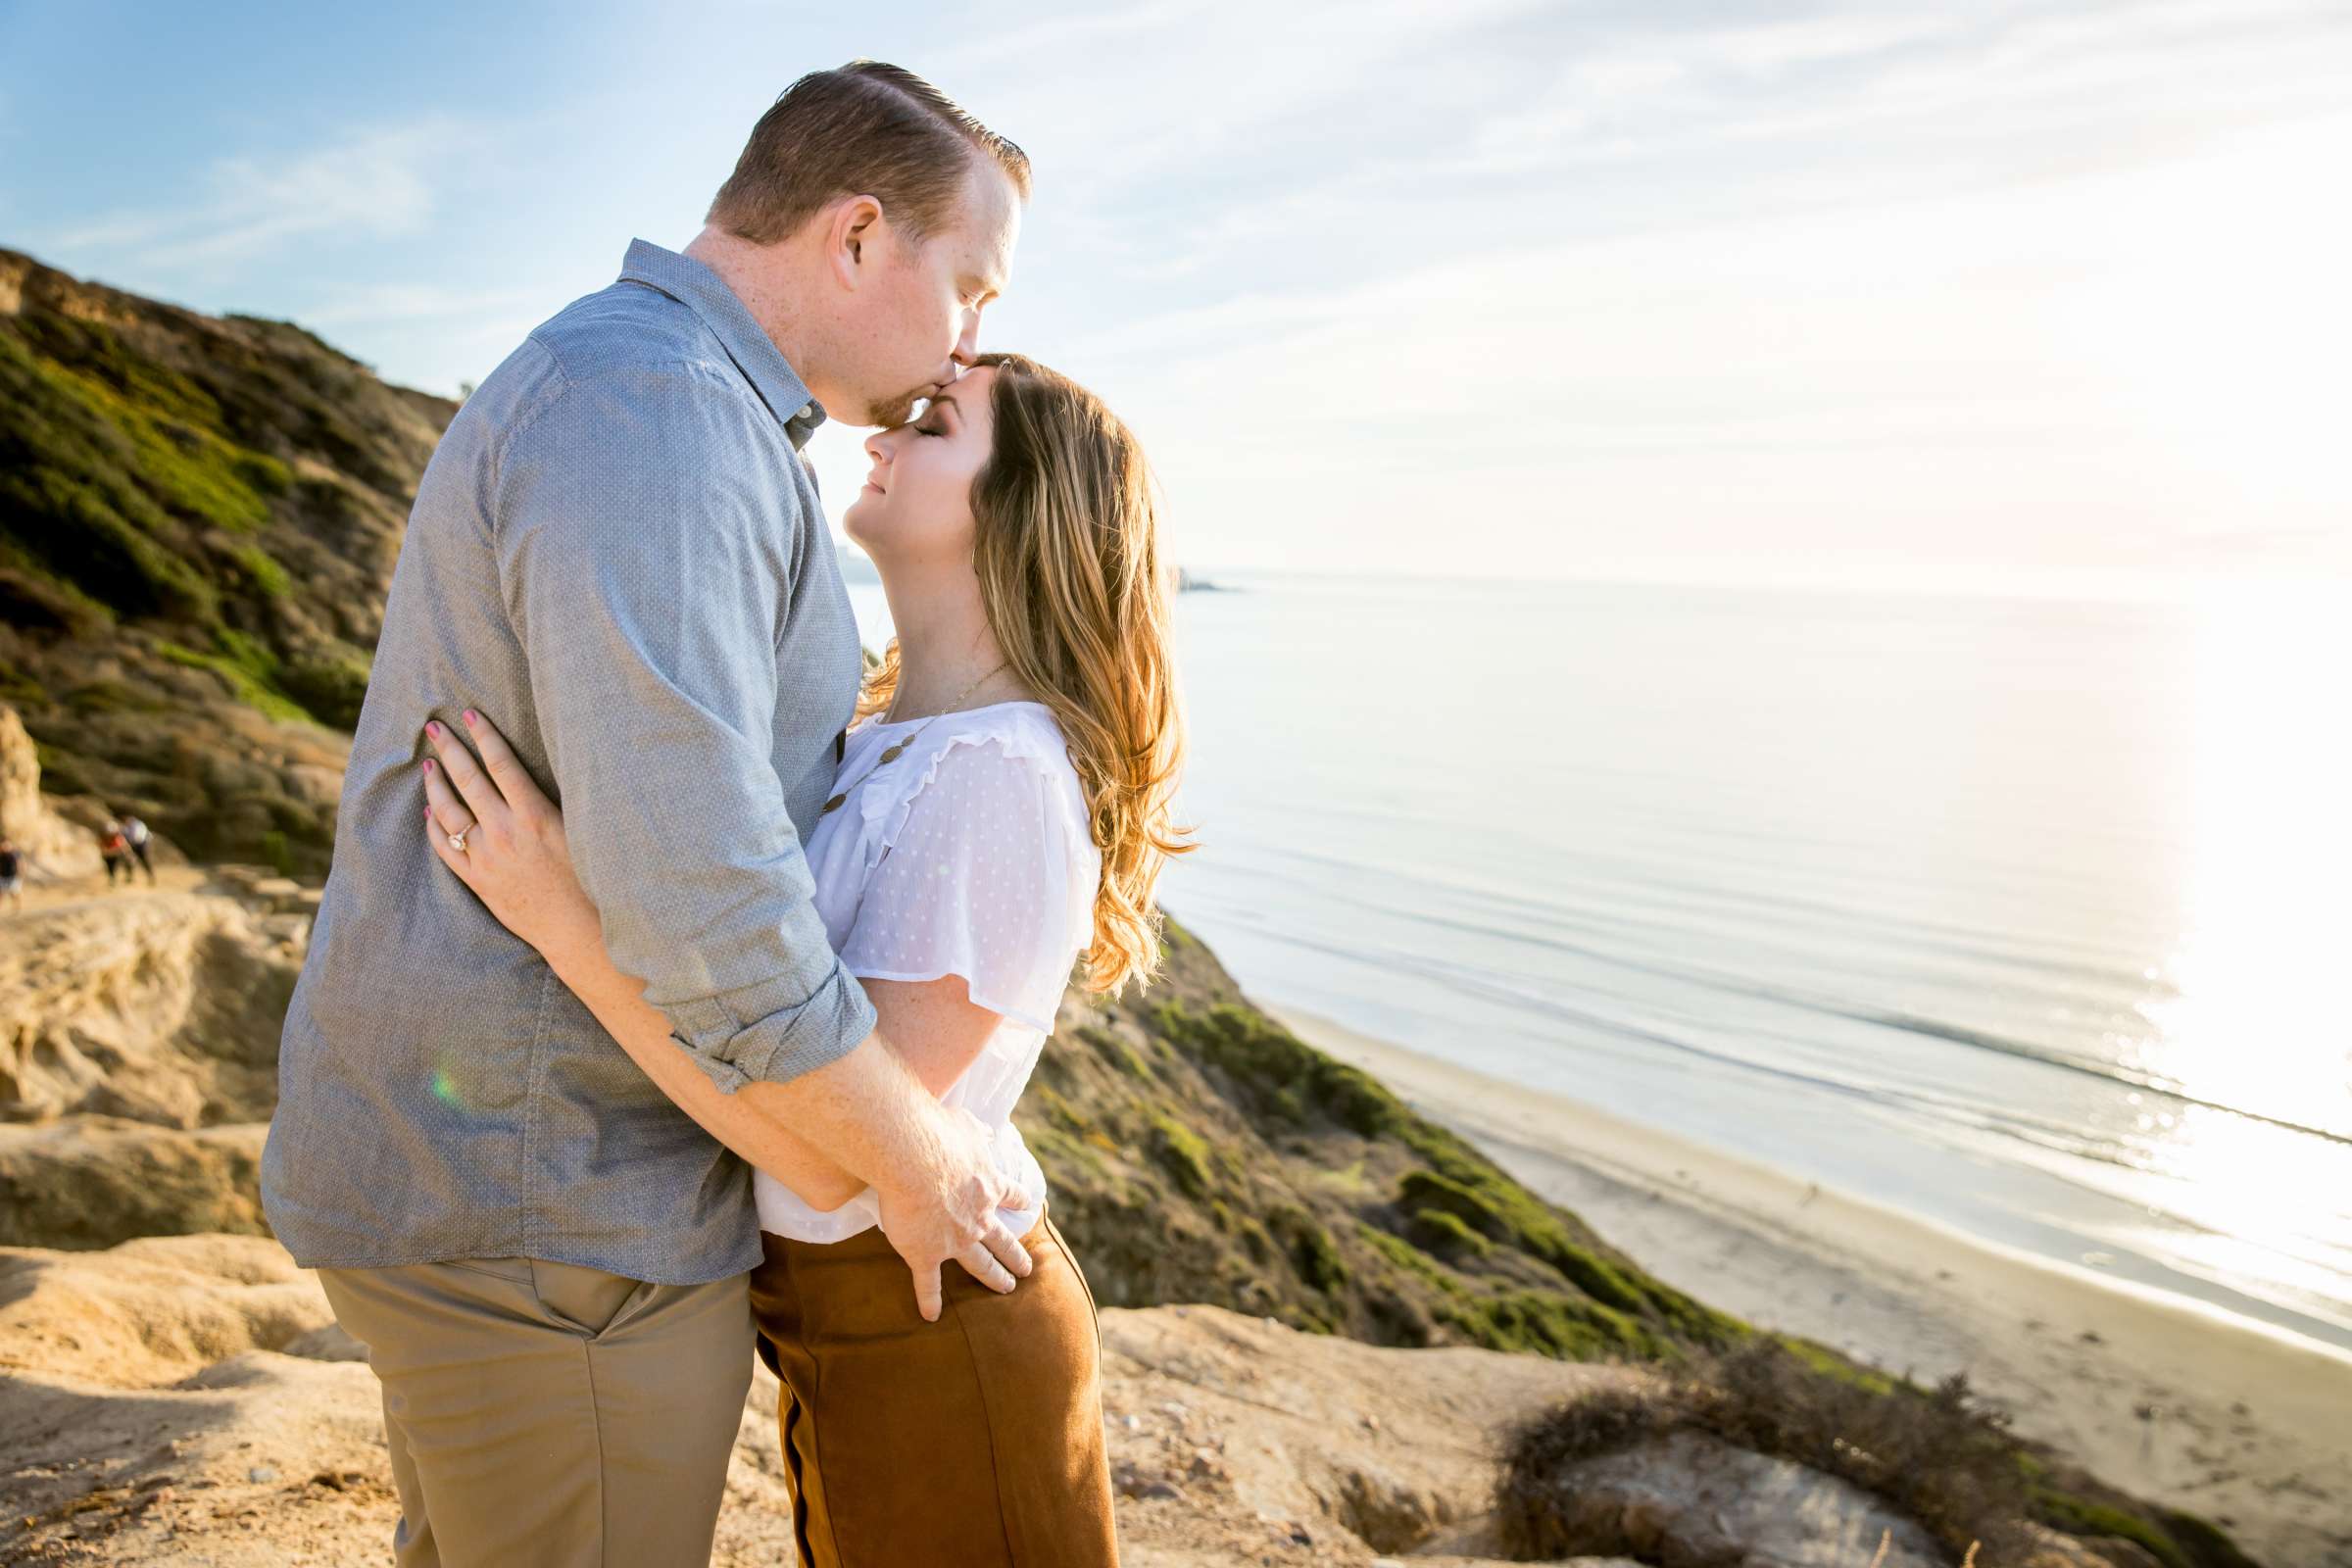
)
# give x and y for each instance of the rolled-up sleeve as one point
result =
(643, 565)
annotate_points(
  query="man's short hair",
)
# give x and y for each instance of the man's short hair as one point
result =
(865, 129)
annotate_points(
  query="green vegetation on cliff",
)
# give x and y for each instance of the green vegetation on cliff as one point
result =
(198, 520)
(1201, 1152)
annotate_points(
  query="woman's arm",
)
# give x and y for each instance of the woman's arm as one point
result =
(932, 1025)
(639, 1028)
(526, 881)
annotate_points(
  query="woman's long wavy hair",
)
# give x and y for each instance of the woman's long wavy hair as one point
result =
(1066, 543)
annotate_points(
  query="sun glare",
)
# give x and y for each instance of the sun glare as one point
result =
(2257, 1022)
(2226, 323)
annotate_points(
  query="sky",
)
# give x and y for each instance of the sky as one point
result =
(1991, 295)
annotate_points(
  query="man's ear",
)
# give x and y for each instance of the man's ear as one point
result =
(856, 223)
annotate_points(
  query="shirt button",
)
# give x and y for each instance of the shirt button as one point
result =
(807, 409)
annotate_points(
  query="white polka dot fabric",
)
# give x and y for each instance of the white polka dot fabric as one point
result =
(968, 855)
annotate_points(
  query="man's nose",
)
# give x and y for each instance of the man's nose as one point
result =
(968, 346)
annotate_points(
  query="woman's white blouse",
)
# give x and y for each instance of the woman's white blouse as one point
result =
(967, 855)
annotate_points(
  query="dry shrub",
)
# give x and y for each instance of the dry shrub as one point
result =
(1935, 1455)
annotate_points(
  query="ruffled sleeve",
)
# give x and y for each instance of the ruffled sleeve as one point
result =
(985, 872)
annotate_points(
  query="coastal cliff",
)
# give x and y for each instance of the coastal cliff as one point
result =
(199, 517)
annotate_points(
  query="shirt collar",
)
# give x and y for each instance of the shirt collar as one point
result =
(754, 353)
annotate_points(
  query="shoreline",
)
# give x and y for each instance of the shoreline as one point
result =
(2180, 1401)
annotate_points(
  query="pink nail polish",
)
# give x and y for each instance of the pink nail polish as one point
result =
(472, 717)
(428, 765)
(434, 728)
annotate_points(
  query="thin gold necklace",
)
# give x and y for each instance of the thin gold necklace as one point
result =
(894, 753)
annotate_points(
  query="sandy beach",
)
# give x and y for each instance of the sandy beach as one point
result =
(2246, 1426)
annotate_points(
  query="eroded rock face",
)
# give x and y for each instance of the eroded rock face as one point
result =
(1233, 1437)
(138, 1055)
(93, 1182)
(55, 844)
(160, 1007)
(2047, 1549)
(152, 1311)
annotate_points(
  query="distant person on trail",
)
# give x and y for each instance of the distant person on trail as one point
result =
(135, 835)
(12, 874)
(115, 844)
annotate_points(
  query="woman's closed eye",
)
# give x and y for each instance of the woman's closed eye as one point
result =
(938, 417)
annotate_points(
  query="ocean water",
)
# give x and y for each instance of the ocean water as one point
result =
(2033, 919)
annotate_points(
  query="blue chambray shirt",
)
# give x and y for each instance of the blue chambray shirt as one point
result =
(617, 555)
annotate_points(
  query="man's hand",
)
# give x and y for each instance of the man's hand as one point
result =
(946, 1210)
(867, 1110)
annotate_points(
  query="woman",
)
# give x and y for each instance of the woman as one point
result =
(114, 847)
(1000, 809)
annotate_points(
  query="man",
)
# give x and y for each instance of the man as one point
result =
(12, 873)
(617, 551)
(135, 835)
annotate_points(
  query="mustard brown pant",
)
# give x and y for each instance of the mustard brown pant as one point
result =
(975, 1442)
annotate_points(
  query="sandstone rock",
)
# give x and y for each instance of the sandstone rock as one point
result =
(1420, 1560)
(96, 1181)
(162, 1007)
(328, 1344)
(56, 846)
(166, 1475)
(2048, 1548)
(319, 783)
(1281, 1416)
(152, 1311)
(186, 1401)
(1688, 1500)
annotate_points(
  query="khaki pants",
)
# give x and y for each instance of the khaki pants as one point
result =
(975, 1442)
(545, 1415)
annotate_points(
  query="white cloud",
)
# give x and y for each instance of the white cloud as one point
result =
(1121, 102)
(1962, 86)
(2053, 377)
(372, 182)
(1765, 48)
(408, 303)
(1848, 286)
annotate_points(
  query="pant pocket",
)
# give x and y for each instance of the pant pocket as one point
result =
(586, 1301)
